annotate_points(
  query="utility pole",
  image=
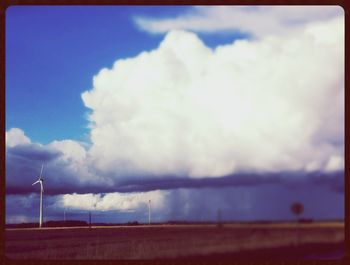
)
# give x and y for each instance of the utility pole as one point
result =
(219, 224)
(297, 208)
(149, 212)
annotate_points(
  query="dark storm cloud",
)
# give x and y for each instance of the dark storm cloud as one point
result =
(23, 164)
(33, 152)
(291, 180)
(334, 180)
(168, 182)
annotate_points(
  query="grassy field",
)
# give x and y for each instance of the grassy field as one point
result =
(283, 240)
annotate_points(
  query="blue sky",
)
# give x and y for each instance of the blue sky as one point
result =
(53, 52)
(175, 103)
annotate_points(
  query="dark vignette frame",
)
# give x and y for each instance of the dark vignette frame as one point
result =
(345, 4)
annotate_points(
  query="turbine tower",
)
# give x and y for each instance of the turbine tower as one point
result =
(149, 212)
(41, 181)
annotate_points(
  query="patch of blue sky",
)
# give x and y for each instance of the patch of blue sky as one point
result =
(53, 52)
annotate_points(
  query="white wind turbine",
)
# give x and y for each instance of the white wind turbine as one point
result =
(41, 181)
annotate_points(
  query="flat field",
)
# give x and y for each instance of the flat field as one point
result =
(242, 241)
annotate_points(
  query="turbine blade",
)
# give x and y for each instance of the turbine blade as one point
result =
(42, 186)
(41, 171)
(35, 182)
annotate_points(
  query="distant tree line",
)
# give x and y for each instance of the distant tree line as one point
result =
(68, 223)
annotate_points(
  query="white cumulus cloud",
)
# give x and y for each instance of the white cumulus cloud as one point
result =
(270, 104)
(257, 20)
(114, 201)
(335, 163)
(16, 136)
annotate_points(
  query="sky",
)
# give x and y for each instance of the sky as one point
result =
(196, 108)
